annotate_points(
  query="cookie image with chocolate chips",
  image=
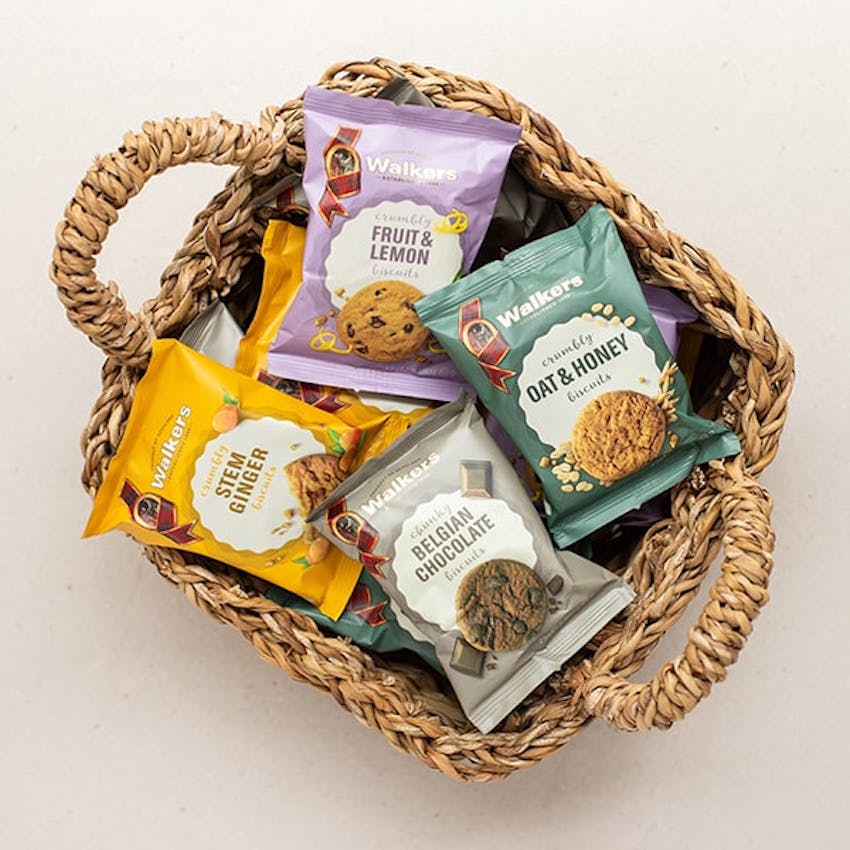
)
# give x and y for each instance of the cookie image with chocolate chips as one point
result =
(617, 434)
(380, 324)
(312, 478)
(501, 605)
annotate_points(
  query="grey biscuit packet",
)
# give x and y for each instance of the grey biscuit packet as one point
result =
(214, 333)
(442, 522)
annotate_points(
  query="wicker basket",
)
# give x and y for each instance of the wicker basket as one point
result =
(719, 507)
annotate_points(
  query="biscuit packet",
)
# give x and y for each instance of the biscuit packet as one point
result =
(442, 522)
(400, 198)
(671, 314)
(215, 334)
(283, 256)
(560, 346)
(351, 407)
(369, 619)
(286, 198)
(283, 253)
(223, 466)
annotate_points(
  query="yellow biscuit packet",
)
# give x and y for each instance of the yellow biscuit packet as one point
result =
(283, 253)
(216, 463)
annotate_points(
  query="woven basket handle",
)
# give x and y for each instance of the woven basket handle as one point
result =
(743, 508)
(98, 309)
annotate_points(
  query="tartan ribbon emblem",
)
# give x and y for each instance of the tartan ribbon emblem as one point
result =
(157, 514)
(325, 398)
(352, 529)
(361, 605)
(342, 167)
(287, 201)
(484, 342)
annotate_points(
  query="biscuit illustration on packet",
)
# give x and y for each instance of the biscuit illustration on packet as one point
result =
(442, 523)
(283, 254)
(400, 199)
(560, 346)
(218, 464)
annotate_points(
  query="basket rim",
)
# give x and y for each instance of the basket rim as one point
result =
(720, 504)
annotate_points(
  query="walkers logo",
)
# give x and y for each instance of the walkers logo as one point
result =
(398, 484)
(538, 300)
(408, 171)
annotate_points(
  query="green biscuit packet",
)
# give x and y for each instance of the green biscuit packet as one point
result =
(367, 619)
(559, 344)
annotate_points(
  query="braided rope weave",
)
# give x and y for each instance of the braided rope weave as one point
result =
(720, 508)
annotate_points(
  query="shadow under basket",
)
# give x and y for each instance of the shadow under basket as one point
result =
(719, 509)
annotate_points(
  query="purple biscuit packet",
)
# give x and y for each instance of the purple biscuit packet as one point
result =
(669, 312)
(400, 199)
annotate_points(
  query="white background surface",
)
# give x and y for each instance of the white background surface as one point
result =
(130, 720)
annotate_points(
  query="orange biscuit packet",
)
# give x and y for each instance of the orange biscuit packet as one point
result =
(216, 463)
(283, 256)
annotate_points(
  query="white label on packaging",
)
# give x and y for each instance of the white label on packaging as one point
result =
(395, 240)
(444, 539)
(575, 362)
(241, 489)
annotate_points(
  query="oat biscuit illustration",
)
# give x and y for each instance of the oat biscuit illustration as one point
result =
(380, 324)
(618, 433)
(500, 605)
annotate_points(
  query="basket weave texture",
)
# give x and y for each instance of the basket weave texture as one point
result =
(719, 508)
